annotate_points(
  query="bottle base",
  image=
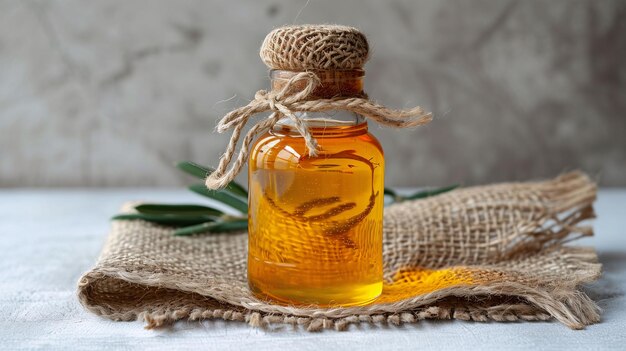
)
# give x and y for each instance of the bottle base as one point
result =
(342, 296)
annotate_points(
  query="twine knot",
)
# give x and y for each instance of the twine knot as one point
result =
(285, 103)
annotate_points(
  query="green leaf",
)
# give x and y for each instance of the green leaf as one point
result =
(222, 196)
(390, 193)
(217, 227)
(432, 192)
(202, 172)
(176, 220)
(182, 209)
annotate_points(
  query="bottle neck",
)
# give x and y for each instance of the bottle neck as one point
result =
(341, 83)
(333, 84)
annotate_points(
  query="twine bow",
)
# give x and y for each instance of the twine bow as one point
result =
(283, 104)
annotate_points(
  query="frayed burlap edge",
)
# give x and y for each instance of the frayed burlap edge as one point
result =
(569, 306)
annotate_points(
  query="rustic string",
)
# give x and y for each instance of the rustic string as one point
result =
(283, 103)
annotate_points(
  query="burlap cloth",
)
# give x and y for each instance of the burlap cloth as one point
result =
(480, 253)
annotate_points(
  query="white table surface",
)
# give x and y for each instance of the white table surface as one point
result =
(50, 237)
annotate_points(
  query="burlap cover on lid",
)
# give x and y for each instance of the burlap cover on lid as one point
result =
(315, 47)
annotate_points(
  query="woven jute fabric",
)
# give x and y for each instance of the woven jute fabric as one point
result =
(479, 253)
(315, 47)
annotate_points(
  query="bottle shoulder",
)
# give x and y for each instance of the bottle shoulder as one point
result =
(272, 141)
(291, 149)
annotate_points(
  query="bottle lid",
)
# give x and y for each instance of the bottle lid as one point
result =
(315, 47)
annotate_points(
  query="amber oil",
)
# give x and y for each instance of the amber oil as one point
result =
(315, 223)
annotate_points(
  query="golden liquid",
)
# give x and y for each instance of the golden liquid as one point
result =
(315, 224)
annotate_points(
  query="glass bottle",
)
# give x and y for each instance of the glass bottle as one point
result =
(316, 223)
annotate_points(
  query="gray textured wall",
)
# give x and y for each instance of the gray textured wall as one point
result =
(112, 93)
